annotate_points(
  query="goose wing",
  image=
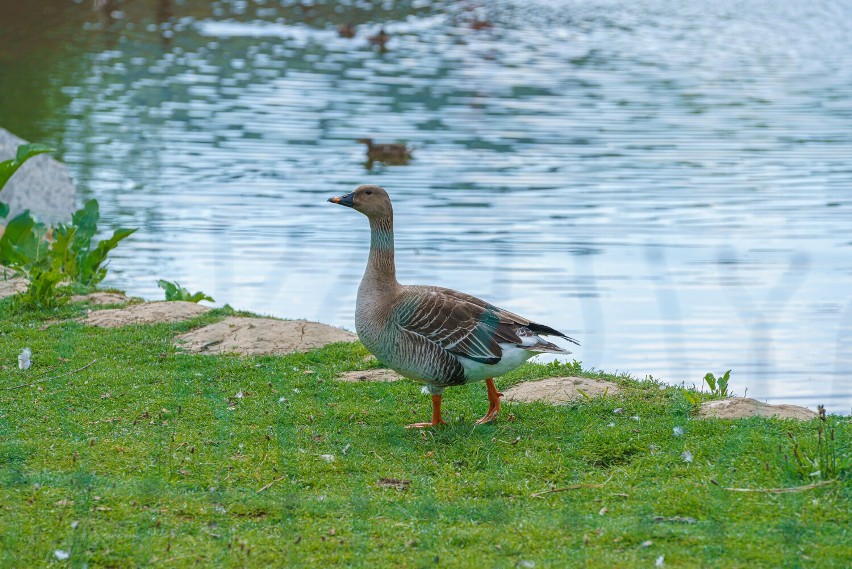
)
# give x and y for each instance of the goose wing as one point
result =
(468, 326)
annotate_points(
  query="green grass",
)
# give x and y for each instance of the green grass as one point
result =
(149, 458)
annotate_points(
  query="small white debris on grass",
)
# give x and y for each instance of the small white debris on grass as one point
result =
(526, 564)
(618, 410)
(24, 361)
(686, 456)
(346, 448)
(660, 561)
(678, 431)
(282, 399)
(74, 524)
(296, 390)
(611, 425)
(654, 449)
(646, 543)
(239, 394)
(61, 554)
(327, 457)
(635, 417)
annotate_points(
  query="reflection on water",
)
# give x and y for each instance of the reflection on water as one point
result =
(667, 182)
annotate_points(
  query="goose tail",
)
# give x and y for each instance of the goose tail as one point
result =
(548, 331)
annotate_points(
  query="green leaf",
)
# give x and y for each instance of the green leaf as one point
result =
(42, 291)
(24, 153)
(4, 209)
(72, 248)
(691, 397)
(723, 383)
(170, 288)
(23, 244)
(711, 382)
(176, 292)
(91, 270)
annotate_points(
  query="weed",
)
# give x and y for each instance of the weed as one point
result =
(176, 292)
(26, 248)
(718, 386)
(692, 397)
(72, 252)
(826, 460)
(42, 289)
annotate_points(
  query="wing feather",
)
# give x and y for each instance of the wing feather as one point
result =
(465, 325)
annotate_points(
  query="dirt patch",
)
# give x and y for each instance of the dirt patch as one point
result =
(11, 285)
(146, 313)
(559, 390)
(370, 375)
(261, 336)
(100, 298)
(739, 407)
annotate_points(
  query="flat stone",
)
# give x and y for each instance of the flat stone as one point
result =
(740, 407)
(370, 375)
(261, 336)
(100, 298)
(42, 185)
(146, 313)
(559, 390)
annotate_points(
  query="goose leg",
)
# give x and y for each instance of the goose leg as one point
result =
(436, 416)
(493, 403)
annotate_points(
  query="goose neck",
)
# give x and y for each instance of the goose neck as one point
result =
(381, 262)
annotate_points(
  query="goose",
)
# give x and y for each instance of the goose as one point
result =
(389, 153)
(346, 30)
(434, 335)
(379, 39)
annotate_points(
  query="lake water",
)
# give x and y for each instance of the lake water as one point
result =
(668, 182)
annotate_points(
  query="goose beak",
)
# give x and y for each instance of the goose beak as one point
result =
(348, 200)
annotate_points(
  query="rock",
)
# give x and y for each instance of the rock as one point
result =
(739, 407)
(261, 336)
(559, 390)
(146, 313)
(100, 298)
(370, 375)
(42, 185)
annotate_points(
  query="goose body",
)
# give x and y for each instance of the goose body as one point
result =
(389, 153)
(435, 335)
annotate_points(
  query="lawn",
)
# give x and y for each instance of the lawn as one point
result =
(128, 452)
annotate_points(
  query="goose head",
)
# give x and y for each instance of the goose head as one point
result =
(372, 201)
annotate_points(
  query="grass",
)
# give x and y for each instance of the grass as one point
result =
(150, 457)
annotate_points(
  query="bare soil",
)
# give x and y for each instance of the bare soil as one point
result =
(740, 407)
(559, 390)
(145, 313)
(261, 336)
(370, 375)
(100, 298)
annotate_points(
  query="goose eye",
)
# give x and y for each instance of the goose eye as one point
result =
(368, 192)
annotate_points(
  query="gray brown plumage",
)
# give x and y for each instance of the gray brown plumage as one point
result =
(388, 153)
(380, 39)
(438, 336)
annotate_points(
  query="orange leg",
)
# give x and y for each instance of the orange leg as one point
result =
(493, 403)
(436, 416)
